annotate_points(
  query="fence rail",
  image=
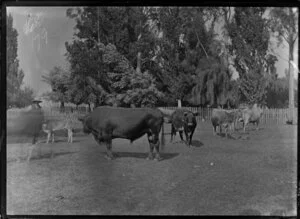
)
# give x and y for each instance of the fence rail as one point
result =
(270, 116)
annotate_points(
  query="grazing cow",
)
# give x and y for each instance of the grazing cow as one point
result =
(51, 126)
(251, 115)
(184, 120)
(107, 123)
(225, 118)
(27, 121)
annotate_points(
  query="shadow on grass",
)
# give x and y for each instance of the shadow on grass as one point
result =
(241, 130)
(61, 141)
(221, 135)
(235, 135)
(164, 156)
(197, 143)
(42, 156)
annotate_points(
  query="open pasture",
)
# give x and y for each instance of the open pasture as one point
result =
(217, 176)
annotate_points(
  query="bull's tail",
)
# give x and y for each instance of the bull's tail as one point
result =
(162, 141)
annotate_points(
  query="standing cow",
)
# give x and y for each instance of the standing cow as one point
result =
(251, 115)
(224, 118)
(50, 126)
(184, 121)
(106, 123)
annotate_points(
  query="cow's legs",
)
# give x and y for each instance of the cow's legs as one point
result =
(181, 136)
(257, 122)
(191, 136)
(186, 136)
(156, 145)
(226, 127)
(110, 155)
(151, 145)
(173, 132)
(108, 142)
(48, 136)
(51, 148)
(52, 133)
(226, 131)
(214, 129)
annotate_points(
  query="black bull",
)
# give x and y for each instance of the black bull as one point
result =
(106, 123)
(184, 120)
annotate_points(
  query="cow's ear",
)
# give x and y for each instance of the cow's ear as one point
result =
(196, 114)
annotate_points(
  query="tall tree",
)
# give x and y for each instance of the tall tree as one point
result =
(58, 79)
(12, 62)
(96, 28)
(175, 69)
(250, 38)
(285, 26)
(129, 86)
(15, 75)
(200, 57)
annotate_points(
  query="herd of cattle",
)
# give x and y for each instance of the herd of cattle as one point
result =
(106, 123)
(230, 118)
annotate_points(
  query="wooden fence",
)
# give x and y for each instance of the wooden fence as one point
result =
(270, 116)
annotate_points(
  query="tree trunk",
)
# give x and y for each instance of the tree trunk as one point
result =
(291, 84)
(179, 103)
(98, 24)
(138, 64)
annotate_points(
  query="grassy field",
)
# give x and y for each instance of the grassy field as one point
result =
(217, 176)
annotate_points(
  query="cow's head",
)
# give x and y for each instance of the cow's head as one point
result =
(189, 120)
(238, 114)
(86, 123)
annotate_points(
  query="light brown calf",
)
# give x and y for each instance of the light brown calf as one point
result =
(51, 126)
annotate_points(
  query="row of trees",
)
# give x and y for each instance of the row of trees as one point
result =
(17, 95)
(149, 56)
(156, 55)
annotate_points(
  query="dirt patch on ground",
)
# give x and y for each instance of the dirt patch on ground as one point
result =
(217, 176)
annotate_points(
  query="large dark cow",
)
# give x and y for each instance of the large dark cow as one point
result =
(26, 122)
(106, 123)
(251, 115)
(183, 121)
(224, 118)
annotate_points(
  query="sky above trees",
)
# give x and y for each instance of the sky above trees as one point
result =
(37, 57)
